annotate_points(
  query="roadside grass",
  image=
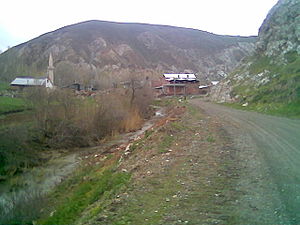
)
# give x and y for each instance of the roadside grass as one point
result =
(178, 126)
(169, 101)
(280, 95)
(85, 188)
(210, 139)
(149, 205)
(165, 143)
(290, 110)
(194, 111)
(12, 105)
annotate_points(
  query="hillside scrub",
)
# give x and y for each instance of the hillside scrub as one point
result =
(280, 93)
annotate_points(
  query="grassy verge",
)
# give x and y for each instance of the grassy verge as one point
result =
(279, 94)
(87, 187)
(290, 110)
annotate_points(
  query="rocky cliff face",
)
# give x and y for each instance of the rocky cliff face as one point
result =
(272, 74)
(280, 32)
(94, 50)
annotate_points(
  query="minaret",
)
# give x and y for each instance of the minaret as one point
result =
(51, 69)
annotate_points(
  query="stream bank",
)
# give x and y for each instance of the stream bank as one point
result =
(24, 195)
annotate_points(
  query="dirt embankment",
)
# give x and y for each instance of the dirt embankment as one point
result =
(183, 172)
(211, 165)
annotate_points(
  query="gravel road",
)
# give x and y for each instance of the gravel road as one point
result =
(269, 158)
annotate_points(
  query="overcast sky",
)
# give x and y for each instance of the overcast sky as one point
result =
(22, 20)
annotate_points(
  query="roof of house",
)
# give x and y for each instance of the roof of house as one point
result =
(180, 76)
(28, 81)
(203, 86)
(214, 82)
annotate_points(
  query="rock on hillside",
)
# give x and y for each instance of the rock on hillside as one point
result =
(272, 74)
(93, 50)
(280, 32)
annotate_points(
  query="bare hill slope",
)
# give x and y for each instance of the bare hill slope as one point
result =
(91, 50)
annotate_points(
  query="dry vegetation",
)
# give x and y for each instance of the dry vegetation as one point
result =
(65, 120)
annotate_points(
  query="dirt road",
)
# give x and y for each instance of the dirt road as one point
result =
(269, 153)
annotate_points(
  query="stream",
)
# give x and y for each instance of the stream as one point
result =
(31, 186)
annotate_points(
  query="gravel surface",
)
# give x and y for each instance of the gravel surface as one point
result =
(269, 152)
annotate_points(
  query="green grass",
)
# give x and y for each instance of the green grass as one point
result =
(4, 86)
(10, 105)
(83, 190)
(17, 150)
(281, 95)
(148, 207)
(290, 110)
(165, 143)
(178, 126)
(210, 139)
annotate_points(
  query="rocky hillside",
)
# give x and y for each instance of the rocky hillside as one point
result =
(94, 50)
(270, 79)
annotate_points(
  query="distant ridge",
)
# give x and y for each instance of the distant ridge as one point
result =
(92, 51)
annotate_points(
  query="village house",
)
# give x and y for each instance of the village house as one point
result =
(181, 84)
(205, 89)
(29, 81)
(178, 84)
(26, 81)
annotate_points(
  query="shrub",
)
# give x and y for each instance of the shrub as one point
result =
(65, 121)
(16, 153)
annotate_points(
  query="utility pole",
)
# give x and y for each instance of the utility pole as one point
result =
(174, 89)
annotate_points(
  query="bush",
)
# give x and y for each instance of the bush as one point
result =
(65, 120)
(16, 153)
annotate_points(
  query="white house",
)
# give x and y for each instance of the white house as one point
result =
(32, 81)
(180, 77)
(28, 81)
